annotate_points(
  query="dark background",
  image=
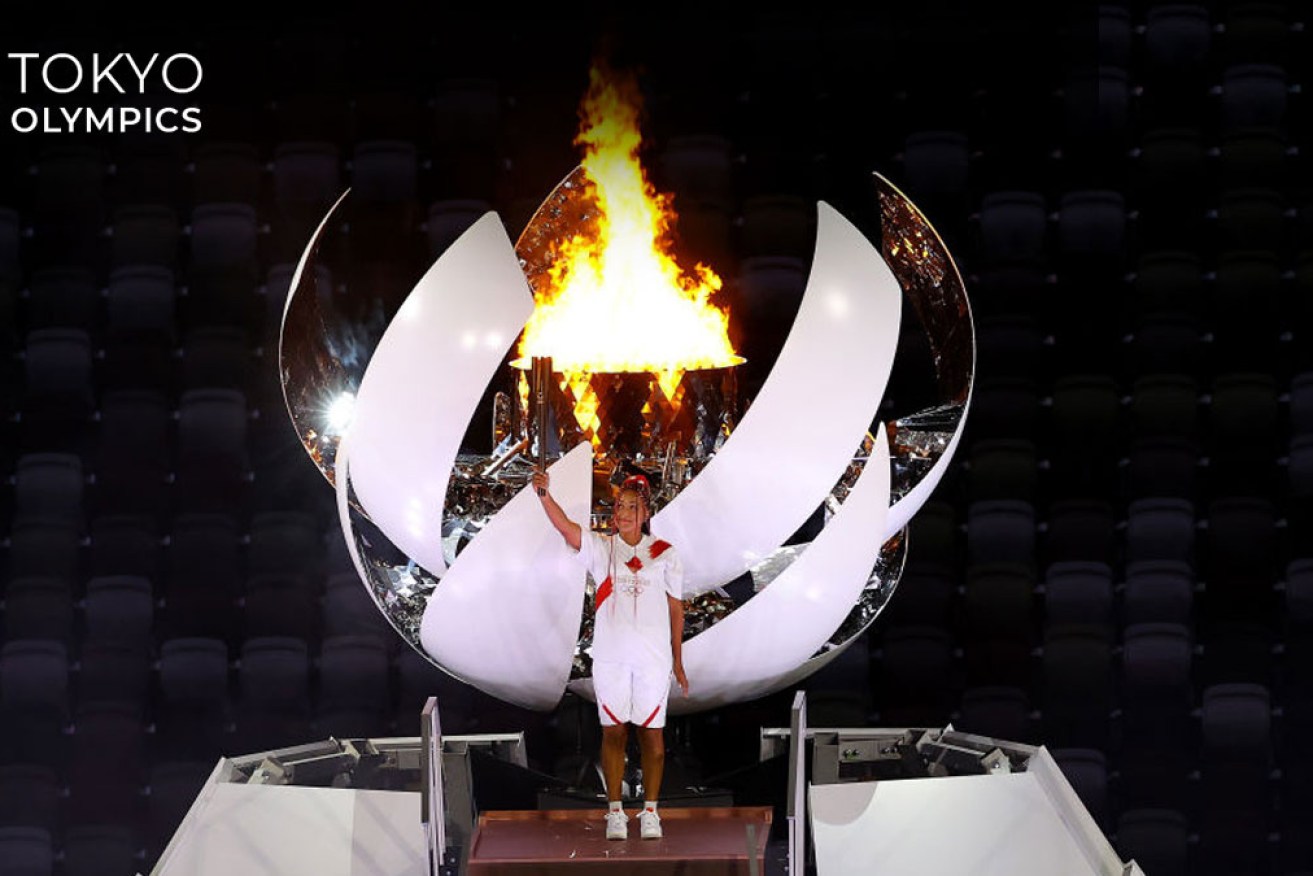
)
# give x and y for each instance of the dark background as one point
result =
(1118, 565)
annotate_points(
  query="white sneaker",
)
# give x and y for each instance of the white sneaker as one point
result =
(650, 824)
(617, 826)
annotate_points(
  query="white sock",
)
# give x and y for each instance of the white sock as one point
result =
(650, 806)
(614, 806)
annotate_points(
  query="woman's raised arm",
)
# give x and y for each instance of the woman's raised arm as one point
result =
(570, 531)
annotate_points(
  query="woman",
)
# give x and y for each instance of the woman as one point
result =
(637, 635)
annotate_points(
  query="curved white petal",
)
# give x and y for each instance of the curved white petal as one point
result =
(425, 380)
(759, 647)
(796, 439)
(506, 614)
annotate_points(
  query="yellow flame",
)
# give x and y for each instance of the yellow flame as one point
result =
(585, 404)
(617, 300)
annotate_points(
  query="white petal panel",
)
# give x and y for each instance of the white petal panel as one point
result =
(506, 614)
(798, 436)
(425, 380)
(757, 648)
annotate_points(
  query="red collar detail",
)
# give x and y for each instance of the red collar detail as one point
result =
(658, 548)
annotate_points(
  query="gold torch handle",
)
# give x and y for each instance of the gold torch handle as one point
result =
(542, 373)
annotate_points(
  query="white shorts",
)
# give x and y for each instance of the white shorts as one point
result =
(630, 695)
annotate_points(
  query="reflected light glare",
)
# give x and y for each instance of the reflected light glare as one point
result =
(340, 412)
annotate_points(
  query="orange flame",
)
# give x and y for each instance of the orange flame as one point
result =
(616, 299)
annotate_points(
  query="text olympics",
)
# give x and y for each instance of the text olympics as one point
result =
(60, 74)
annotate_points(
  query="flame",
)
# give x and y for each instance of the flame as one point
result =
(616, 299)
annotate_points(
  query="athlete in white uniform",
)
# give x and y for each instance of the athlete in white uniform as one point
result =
(637, 634)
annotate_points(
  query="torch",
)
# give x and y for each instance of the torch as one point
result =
(541, 374)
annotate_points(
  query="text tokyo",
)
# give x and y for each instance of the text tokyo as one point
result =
(120, 73)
